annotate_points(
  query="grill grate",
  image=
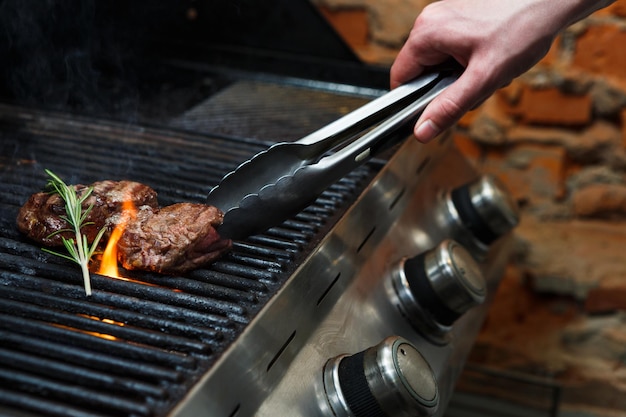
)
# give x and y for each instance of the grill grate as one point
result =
(134, 348)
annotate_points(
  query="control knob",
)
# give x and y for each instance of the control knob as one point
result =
(436, 287)
(480, 212)
(389, 379)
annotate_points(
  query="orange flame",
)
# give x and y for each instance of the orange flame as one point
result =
(108, 264)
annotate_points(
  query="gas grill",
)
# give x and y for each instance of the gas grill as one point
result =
(365, 303)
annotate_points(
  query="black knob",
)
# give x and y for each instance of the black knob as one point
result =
(389, 379)
(485, 208)
(435, 288)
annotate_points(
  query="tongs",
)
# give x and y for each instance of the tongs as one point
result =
(279, 182)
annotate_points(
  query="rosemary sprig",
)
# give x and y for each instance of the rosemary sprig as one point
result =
(78, 248)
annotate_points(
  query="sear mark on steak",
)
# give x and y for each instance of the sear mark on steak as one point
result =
(172, 239)
(41, 215)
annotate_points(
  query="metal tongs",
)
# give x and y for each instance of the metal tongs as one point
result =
(277, 183)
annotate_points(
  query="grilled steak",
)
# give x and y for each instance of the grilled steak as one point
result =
(173, 239)
(42, 214)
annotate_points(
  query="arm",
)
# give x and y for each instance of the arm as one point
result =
(495, 40)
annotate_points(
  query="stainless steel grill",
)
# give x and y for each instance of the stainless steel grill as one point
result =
(134, 347)
(270, 328)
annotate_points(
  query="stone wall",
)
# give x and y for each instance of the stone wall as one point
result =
(557, 137)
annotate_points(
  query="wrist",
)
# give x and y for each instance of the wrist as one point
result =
(572, 11)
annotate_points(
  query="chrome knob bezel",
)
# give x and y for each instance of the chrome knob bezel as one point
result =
(477, 213)
(398, 380)
(445, 283)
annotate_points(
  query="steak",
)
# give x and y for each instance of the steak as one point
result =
(172, 239)
(41, 216)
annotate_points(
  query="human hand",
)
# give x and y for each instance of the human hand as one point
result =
(495, 40)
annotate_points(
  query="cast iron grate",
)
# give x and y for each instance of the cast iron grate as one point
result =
(134, 348)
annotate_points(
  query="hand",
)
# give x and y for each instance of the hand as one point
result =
(495, 40)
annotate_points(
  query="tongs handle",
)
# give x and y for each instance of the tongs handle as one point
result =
(384, 136)
(355, 122)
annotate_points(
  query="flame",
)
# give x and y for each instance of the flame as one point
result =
(108, 264)
(104, 320)
(104, 336)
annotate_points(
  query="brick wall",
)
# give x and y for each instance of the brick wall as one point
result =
(557, 137)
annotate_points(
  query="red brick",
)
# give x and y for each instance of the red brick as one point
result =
(521, 326)
(600, 200)
(509, 96)
(587, 144)
(352, 24)
(600, 51)
(468, 118)
(573, 168)
(552, 107)
(609, 295)
(616, 9)
(467, 146)
(571, 257)
(489, 122)
(497, 107)
(595, 139)
(623, 120)
(532, 172)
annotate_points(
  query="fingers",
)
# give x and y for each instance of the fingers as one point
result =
(495, 40)
(445, 110)
(405, 66)
(412, 60)
(422, 49)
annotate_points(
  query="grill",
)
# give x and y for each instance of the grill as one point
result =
(134, 347)
(175, 95)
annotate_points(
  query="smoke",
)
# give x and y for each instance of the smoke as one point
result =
(53, 54)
